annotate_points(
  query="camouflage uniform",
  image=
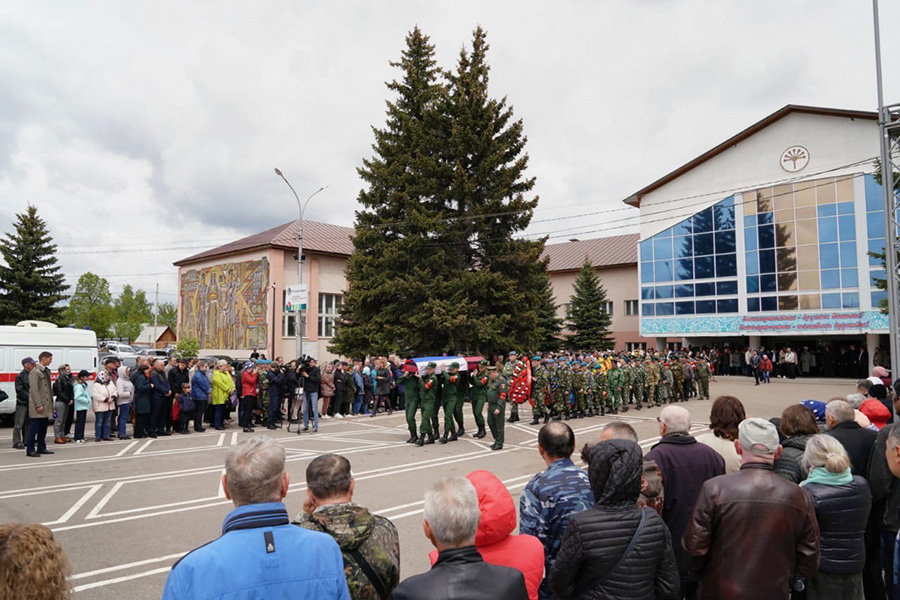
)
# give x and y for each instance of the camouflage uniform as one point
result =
(601, 391)
(651, 374)
(429, 424)
(546, 505)
(412, 388)
(678, 382)
(262, 400)
(703, 375)
(638, 385)
(540, 383)
(589, 393)
(497, 393)
(509, 373)
(616, 380)
(561, 390)
(665, 387)
(374, 537)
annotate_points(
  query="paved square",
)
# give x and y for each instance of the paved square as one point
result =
(126, 510)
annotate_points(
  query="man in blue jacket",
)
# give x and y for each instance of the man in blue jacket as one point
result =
(259, 554)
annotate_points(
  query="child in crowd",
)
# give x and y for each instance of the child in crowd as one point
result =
(186, 407)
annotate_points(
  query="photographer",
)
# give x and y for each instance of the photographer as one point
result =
(275, 377)
(309, 371)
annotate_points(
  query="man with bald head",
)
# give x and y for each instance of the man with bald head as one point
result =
(553, 496)
(685, 466)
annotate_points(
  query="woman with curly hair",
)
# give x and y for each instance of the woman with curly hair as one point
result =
(33, 566)
(726, 414)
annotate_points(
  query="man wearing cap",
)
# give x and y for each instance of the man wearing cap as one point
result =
(40, 406)
(21, 419)
(703, 375)
(752, 513)
(450, 395)
(615, 380)
(540, 382)
(497, 392)
(479, 396)
(412, 390)
(429, 385)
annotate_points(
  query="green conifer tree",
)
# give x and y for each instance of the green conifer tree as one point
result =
(588, 320)
(31, 282)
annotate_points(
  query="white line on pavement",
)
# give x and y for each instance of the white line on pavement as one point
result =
(127, 448)
(144, 447)
(234, 438)
(96, 584)
(139, 563)
(221, 441)
(81, 502)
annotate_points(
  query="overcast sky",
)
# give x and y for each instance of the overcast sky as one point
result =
(148, 131)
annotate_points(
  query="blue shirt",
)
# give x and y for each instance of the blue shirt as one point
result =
(260, 555)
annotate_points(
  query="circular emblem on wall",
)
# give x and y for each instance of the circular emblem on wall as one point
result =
(794, 159)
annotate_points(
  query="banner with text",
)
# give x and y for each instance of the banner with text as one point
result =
(835, 323)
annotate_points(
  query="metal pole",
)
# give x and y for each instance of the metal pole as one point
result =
(301, 208)
(887, 188)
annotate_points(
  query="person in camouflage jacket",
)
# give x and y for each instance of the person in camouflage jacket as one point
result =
(369, 544)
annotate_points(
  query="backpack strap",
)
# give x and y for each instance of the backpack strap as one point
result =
(369, 572)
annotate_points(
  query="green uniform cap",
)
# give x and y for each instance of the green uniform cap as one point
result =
(483, 362)
(454, 365)
(431, 365)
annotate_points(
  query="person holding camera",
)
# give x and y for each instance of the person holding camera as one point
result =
(311, 377)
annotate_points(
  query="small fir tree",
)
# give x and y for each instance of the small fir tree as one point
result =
(31, 281)
(588, 320)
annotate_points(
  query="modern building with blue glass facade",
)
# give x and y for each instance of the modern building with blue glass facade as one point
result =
(764, 240)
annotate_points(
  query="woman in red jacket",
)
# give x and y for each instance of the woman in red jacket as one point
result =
(249, 381)
(494, 540)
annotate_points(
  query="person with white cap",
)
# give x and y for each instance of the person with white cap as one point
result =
(752, 513)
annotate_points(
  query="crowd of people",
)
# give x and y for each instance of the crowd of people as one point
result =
(803, 505)
(848, 361)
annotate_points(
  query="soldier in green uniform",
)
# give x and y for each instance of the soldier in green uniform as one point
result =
(678, 381)
(651, 374)
(479, 381)
(601, 390)
(412, 388)
(589, 401)
(638, 384)
(497, 392)
(510, 369)
(429, 383)
(666, 382)
(450, 388)
(616, 385)
(579, 389)
(703, 375)
(540, 382)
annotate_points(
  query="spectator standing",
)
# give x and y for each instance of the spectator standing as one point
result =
(124, 398)
(259, 552)
(685, 466)
(222, 386)
(40, 406)
(495, 540)
(615, 550)
(334, 409)
(359, 406)
(652, 493)
(62, 389)
(82, 404)
(249, 387)
(451, 516)
(160, 399)
(326, 385)
(553, 496)
(765, 368)
(312, 379)
(842, 502)
(200, 391)
(103, 395)
(382, 387)
(369, 544)
(20, 422)
(726, 414)
(142, 401)
(753, 512)
(798, 425)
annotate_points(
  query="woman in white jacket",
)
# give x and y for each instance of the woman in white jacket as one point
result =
(103, 394)
(125, 391)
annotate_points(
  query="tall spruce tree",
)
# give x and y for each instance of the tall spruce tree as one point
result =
(587, 320)
(549, 324)
(394, 268)
(31, 282)
(492, 302)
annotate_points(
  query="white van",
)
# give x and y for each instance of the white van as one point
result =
(74, 347)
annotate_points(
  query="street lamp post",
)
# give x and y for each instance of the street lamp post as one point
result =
(298, 320)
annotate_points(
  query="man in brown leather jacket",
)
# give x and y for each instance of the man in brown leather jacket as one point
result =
(752, 533)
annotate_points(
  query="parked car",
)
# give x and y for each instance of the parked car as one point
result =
(118, 349)
(153, 353)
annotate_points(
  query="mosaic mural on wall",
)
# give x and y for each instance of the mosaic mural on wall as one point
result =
(796, 323)
(224, 306)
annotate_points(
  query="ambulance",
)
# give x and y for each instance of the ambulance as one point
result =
(74, 347)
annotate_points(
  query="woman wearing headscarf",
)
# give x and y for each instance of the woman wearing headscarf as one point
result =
(125, 391)
(103, 396)
(615, 550)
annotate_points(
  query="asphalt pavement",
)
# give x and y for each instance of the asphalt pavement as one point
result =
(124, 511)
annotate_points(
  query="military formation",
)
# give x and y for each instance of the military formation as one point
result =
(562, 386)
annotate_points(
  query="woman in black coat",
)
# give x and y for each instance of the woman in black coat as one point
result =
(142, 401)
(615, 550)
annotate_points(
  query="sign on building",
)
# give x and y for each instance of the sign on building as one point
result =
(297, 297)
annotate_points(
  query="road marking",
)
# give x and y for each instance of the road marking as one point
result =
(127, 448)
(139, 563)
(96, 510)
(81, 502)
(234, 438)
(222, 439)
(144, 447)
(96, 584)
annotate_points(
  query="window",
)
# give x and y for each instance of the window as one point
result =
(632, 346)
(631, 308)
(329, 310)
(568, 310)
(607, 307)
(289, 324)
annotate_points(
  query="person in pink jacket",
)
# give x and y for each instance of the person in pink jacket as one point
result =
(495, 540)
